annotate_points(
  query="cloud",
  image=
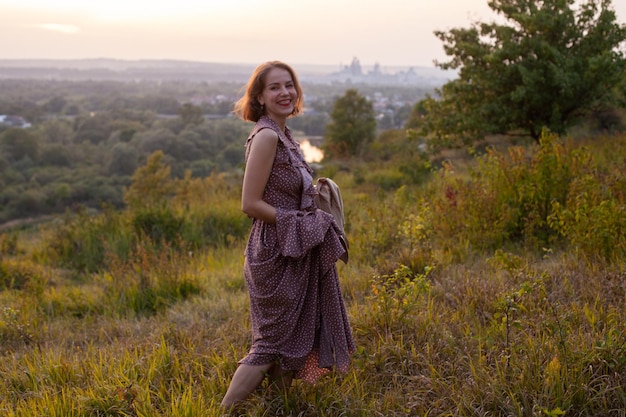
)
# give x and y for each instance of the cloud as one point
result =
(58, 27)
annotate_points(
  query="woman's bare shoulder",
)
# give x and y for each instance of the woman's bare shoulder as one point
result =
(265, 138)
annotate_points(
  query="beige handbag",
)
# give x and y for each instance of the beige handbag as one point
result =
(328, 198)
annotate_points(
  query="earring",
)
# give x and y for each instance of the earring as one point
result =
(263, 108)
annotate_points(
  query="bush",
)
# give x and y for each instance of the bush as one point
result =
(8, 244)
(81, 240)
(184, 215)
(22, 275)
(509, 197)
(157, 225)
(388, 179)
(29, 203)
(149, 281)
(593, 220)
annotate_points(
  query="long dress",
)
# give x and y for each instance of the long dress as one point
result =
(297, 310)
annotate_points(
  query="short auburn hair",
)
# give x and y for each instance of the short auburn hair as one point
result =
(248, 106)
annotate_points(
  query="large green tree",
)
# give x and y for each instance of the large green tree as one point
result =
(19, 143)
(544, 64)
(352, 126)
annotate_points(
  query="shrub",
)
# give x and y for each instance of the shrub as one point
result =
(81, 240)
(594, 218)
(388, 179)
(396, 298)
(185, 215)
(14, 328)
(509, 197)
(8, 244)
(158, 225)
(149, 281)
(17, 274)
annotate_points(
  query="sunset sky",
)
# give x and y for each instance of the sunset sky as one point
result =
(330, 32)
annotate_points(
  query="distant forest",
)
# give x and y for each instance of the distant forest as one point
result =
(87, 135)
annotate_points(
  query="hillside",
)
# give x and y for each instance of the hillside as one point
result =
(492, 285)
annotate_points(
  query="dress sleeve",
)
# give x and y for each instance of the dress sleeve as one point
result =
(300, 231)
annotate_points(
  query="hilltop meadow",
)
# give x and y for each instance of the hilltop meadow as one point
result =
(489, 284)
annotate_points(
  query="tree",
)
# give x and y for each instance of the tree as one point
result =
(418, 112)
(190, 114)
(19, 143)
(152, 140)
(124, 159)
(55, 154)
(54, 105)
(57, 131)
(352, 126)
(544, 68)
(151, 184)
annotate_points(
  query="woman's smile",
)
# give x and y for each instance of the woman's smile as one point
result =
(279, 95)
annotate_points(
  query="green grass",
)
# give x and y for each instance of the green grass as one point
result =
(446, 323)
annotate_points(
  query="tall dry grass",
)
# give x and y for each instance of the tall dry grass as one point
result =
(482, 294)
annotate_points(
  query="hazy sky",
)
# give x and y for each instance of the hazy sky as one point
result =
(390, 32)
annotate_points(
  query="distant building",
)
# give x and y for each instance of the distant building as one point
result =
(354, 73)
(13, 121)
(355, 67)
(376, 71)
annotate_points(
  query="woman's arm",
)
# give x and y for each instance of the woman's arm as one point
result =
(258, 168)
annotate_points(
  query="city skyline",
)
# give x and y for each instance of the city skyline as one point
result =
(327, 32)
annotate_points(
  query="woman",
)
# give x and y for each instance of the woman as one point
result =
(299, 323)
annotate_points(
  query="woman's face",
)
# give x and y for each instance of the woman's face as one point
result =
(279, 95)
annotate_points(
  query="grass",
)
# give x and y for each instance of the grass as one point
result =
(443, 327)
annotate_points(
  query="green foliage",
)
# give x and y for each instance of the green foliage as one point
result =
(182, 214)
(418, 112)
(389, 179)
(396, 297)
(158, 328)
(593, 219)
(190, 114)
(92, 135)
(416, 250)
(17, 274)
(543, 68)
(149, 281)
(508, 307)
(509, 197)
(151, 184)
(31, 202)
(13, 327)
(92, 159)
(352, 128)
(8, 244)
(124, 159)
(158, 225)
(311, 124)
(57, 131)
(19, 144)
(55, 155)
(154, 140)
(82, 240)
(372, 232)
(399, 162)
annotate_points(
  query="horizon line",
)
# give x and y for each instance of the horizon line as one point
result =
(139, 60)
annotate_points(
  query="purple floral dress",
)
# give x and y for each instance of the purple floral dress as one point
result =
(296, 306)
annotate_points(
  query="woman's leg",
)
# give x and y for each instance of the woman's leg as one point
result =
(279, 378)
(245, 380)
